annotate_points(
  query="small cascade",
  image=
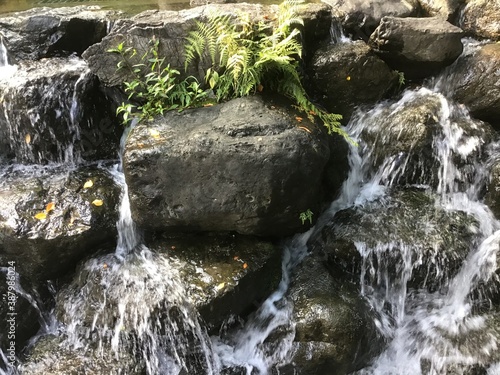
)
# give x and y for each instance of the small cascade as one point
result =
(41, 114)
(4, 57)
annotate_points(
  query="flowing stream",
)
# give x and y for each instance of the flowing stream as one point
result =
(133, 305)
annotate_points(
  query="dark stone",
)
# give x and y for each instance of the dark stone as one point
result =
(393, 232)
(49, 248)
(359, 18)
(474, 81)
(47, 32)
(335, 332)
(347, 75)
(242, 166)
(54, 111)
(224, 275)
(400, 136)
(418, 47)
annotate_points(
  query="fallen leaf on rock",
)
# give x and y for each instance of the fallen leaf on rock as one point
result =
(154, 133)
(236, 257)
(88, 184)
(97, 202)
(305, 129)
(27, 138)
(348, 78)
(49, 207)
(221, 285)
(245, 266)
(104, 266)
(41, 216)
(298, 118)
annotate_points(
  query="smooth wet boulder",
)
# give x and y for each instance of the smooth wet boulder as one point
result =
(480, 19)
(359, 18)
(475, 82)
(171, 28)
(49, 221)
(53, 110)
(400, 138)
(247, 165)
(418, 47)
(335, 332)
(46, 32)
(403, 234)
(347, 75)
(446, 9)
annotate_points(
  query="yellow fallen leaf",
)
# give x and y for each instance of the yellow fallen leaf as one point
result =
(49, 207)
(88, 184)
(27, 138)
(41, 216)
(348, 78)
(245, 266)
(305, 129)
(221, 285)
(97, 202)
(154, 133)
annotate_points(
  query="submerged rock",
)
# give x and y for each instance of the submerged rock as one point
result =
(334, 330)
(54, 111)
(475, 82)
(243, 166)
(347, 75)
(49, 221)
(404, 235)
(418, 47)
(47, 32)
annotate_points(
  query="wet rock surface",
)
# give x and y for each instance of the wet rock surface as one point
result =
(476, 78)
(54, 111)
(396, 232)
(49, 221)
(409, 128)
(360, 18)
(47, 32)
(334, 331)
(243, 166)
(347, 75)
(400, 42)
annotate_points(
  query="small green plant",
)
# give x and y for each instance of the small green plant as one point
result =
(401, 78)
(247, 57)
(159, 89)
(306, 216)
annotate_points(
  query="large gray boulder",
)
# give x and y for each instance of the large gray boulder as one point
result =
(49, 221)
(54, 111)
(347, 75)
(476, 82)
(46, 32)
(171, 28)
(481, 18)
(335, 331)
(245, 165)
(360, 18)
(403, 234)
(418, 47)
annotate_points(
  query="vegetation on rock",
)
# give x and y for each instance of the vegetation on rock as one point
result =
(246, 58)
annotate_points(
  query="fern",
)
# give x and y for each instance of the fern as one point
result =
(245, 56)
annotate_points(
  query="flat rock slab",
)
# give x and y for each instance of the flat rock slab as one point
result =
(243, 166)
